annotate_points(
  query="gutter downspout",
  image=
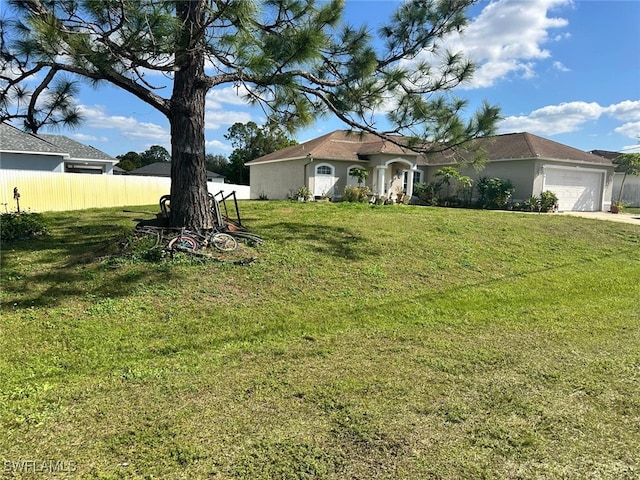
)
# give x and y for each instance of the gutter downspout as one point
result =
(304, 169)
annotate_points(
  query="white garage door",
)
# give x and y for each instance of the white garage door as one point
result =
(577, 190)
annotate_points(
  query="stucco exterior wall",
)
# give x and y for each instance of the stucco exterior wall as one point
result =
(22, 161)
(277, 180)
(527, 176)
(342, 176)
(522, 174)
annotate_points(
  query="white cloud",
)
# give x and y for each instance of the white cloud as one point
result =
(215, 119)
(554, 119)
(631, 130)
(560, 67)
(129, 127)
(218, 145)
(507, 38)
(227, 95)
(81, 137)
(571, 116)
(627, 110)
(217, 114)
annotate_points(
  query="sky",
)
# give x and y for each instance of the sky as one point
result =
(566, 70)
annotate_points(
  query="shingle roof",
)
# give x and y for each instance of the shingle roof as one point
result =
(337, 145)
(77, 150)
(344, 145)
(514, 146)
(13, 139)
(163, 169)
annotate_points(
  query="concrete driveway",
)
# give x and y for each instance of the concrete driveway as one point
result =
(612, 217)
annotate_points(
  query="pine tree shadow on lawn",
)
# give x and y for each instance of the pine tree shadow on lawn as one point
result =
(329, 240)
(73, 261)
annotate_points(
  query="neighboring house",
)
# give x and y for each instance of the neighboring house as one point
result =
(631, 191)
(163, 169)
(53, 153)
(582, 181)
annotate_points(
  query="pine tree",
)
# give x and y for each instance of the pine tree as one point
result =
(294, 58)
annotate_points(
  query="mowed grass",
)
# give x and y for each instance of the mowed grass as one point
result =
(364, 342)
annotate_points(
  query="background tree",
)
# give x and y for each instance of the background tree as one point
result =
(129, 161)
(250, 142)
(631, 166)
(217, 163)
(153, 154)
(295, 59)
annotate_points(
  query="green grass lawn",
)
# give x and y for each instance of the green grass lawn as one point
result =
(364, 342)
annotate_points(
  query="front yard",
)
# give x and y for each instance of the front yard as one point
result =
(364, 342)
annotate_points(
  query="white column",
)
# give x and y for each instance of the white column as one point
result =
(409, 191)
(381, 180)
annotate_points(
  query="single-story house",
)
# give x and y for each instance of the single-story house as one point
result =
(581, 181)
(52, 153)
(163, 169)
(631, 189)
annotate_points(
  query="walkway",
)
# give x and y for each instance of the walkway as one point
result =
(613, 217)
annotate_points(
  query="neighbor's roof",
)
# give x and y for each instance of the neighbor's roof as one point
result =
(337, 145)
(605, 153)
(13, 139)
(163, 169)
(77, 150)
(520, 146)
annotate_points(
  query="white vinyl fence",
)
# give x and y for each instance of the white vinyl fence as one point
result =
(52, 191)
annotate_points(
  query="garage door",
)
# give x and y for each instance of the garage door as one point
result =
(577, 190)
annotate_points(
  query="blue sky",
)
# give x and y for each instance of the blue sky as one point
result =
(567, 70)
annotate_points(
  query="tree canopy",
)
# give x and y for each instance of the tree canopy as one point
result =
(296, 59)
(250, 142)
(132, 160)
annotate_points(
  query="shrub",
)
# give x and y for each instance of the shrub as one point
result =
(494, 192)
(303, 193)
(17, 226)
(427, 192)
(548, 200)
(356, 194)
(532, 204)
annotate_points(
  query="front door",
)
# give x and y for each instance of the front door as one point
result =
(325, 180)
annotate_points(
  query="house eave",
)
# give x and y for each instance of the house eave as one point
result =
(522, 159)
(305, 157)
(94, 160)
(49, 154)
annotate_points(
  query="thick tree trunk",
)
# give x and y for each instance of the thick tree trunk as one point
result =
(189, 195)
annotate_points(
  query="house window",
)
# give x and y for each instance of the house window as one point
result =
(324, 170)
(83, 168)
(417, 178)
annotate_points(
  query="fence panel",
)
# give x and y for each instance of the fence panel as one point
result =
(51, 191)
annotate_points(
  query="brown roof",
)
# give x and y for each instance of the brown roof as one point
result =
(512, 146)
(337, 145)
(347, 145)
